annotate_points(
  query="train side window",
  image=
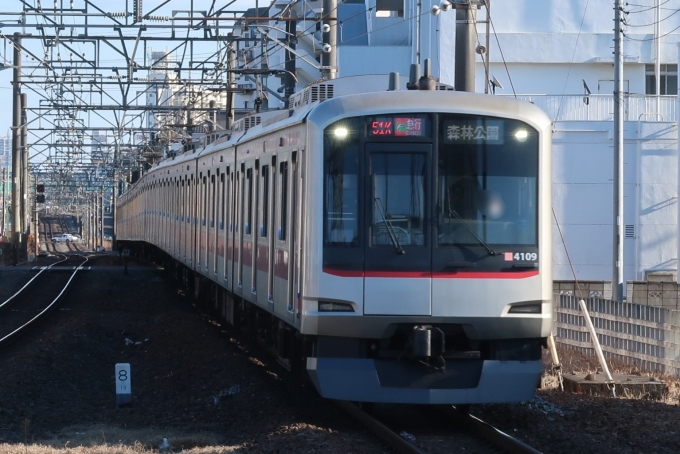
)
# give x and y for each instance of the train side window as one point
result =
(213, 201)
(187, 201)
(223, 202)
(182, 205)
(240, 184)
(265, 201)
(283, 221)
(249, 202)
(204, 202)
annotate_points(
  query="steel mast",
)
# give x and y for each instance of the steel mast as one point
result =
(617, 237)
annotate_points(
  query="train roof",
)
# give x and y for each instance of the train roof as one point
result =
(325, 100)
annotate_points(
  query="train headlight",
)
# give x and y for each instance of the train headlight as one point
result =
(341, 132)
(524, 308)
(521, 135)
(327, 306)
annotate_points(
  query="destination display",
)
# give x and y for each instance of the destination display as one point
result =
(398, 126)
(463, 131)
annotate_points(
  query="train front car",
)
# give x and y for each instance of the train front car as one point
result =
(428, 269)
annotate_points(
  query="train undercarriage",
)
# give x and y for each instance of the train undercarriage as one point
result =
(416, 363)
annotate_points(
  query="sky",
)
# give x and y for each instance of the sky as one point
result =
(6, 53)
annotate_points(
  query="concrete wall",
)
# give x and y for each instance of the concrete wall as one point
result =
(582, 199)
(646, 336)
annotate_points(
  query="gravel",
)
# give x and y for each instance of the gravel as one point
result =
(199, 384)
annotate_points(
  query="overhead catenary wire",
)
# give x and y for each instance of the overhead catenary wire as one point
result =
(571, 63)
(500, 50)
(584, 309)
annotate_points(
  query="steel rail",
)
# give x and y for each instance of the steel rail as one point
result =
(31, 281)
(393, 440)
(481, 430)
(489, 433)
(48, 307)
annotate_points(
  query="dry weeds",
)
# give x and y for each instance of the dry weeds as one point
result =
(574, 362)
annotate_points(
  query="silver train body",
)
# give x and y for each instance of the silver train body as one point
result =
(399, 242)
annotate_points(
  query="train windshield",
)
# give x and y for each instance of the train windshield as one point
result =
(487, 182)
(440, 190)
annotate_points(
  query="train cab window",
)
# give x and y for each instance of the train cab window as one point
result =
(398, 195)
(283, 221)
(341, 190)
(488, 182)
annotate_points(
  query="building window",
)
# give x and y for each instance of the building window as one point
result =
(389, 8)
(668, 78)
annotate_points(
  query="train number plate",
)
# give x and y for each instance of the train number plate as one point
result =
(520, 256)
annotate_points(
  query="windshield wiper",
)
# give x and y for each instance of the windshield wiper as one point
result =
(388, 226)
(472, 232)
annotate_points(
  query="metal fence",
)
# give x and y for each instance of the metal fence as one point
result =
(601, 107)
(646, 336)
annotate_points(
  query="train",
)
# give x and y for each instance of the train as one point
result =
(394, 244)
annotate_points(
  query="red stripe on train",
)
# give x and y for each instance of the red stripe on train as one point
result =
(438, 275)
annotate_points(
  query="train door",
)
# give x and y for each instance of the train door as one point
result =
(248, 230)
(193, 219)
(398, 240)
(255, 201)
(228, 227)
(210, 266)
(263, 234)
(241, 181)
(284, 301)
(182, 222)
(185, 220)
(296, 219)
(219, 226)
(165, 187)
(202, 224)
(177, 210)
(272, 231)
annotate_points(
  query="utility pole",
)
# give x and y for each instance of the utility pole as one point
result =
(25, 205)
(464, 71)
(289, 77)
(3, 233)
(617, 265)
(16, 148)
(231, 83)
(329, 56)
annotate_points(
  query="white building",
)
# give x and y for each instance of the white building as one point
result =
(558, 55)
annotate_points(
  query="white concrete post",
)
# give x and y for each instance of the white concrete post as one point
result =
(595, 340)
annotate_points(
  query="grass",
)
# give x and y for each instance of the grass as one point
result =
(111, 440)
(574, 362)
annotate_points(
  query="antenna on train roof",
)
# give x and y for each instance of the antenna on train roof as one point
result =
(413, 77)
(427, 82)
(394, 82)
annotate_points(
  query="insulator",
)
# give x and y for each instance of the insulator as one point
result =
(158, 18)
(137, 9)
(118, 14)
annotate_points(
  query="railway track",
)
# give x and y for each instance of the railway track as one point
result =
(457, 431)
(35, 299)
